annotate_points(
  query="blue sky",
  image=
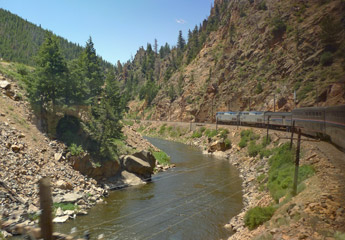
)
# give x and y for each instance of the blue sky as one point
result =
(118, 27)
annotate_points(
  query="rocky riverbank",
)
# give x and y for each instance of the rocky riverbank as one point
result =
(27, 155)
(317, 212)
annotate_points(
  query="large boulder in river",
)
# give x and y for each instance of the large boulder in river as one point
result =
(84, 165)
(147, 157)
(137, 165)
(218, 145)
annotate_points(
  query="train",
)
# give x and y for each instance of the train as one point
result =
(321, 122)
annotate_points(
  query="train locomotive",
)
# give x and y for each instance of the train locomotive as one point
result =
(323, 122)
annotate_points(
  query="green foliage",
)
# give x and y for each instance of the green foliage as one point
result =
(197, 134)
(258, 89)
(262, 5)
(202, 129)
(171, 93)
(330, 33)
(253, 149)
(266, 141)
(223, 133)
(265, 153)
(21, 40)
(75, 150)
(278, 26)
(148, 92)
(22, 70)
(162, 129)
(65, 206)
(243, 143)
(227, 142)
(210, 133)
(326, 58)
(339, 236)
(128, 122)
(181, 42)
(104, 125)
(50, 79)
(256, 216)
(281, 172)
(304, 91)
(162, 157)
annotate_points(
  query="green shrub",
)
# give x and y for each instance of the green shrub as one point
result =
(227, 143)
(253, 149)
(278, 25)
(64, 206)
(249, 134)
(162, 157)
(162, 129)
(265, 153)
(281, 173)
(211, 133)
(128, 122)
(243, 143)
(326, 59)
(202, 129)
(75, 149)
(258, 215)
(22, 70)
(262, 6)
(258, 89)
(196, 134)
(304, 91)
(223, 133)
(260, 178)
(266, 141)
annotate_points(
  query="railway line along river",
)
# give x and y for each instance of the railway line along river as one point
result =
(192, 201)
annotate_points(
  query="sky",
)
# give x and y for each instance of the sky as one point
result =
(117, 27)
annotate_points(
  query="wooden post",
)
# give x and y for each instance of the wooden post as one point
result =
(212, 111)
(295, 179)
(268, 126)
(46, 223)
(292, 132)
(249, 104)
(190, 126)
(274, 103)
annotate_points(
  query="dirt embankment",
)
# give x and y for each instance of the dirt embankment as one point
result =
(317, 212)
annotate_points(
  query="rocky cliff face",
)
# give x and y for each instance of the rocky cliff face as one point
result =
(260, 54)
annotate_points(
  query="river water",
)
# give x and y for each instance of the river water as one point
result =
(192, 201)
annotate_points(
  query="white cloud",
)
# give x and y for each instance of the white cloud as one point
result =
(181, 21)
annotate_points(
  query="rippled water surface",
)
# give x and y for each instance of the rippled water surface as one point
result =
(192, 201)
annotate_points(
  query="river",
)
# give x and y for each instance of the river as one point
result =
(192, 201)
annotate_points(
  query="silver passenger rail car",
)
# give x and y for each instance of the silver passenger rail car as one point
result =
(227, 117)
(279, 119)
(335, 125)
(252, 118)
(311, 120)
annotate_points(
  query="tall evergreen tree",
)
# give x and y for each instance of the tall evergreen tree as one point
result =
(104, 126)
(181, 42)
(48, 85)
(91, 71)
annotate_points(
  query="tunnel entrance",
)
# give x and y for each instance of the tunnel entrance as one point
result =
(69, 130)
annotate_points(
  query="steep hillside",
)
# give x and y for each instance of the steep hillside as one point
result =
(252, 54)
(21, 40)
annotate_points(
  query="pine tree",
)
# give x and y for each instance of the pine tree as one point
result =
(180, 41)
(91, 71)
(49, 81)
(104, 126)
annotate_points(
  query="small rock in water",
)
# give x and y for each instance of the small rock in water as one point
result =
(60, 219)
